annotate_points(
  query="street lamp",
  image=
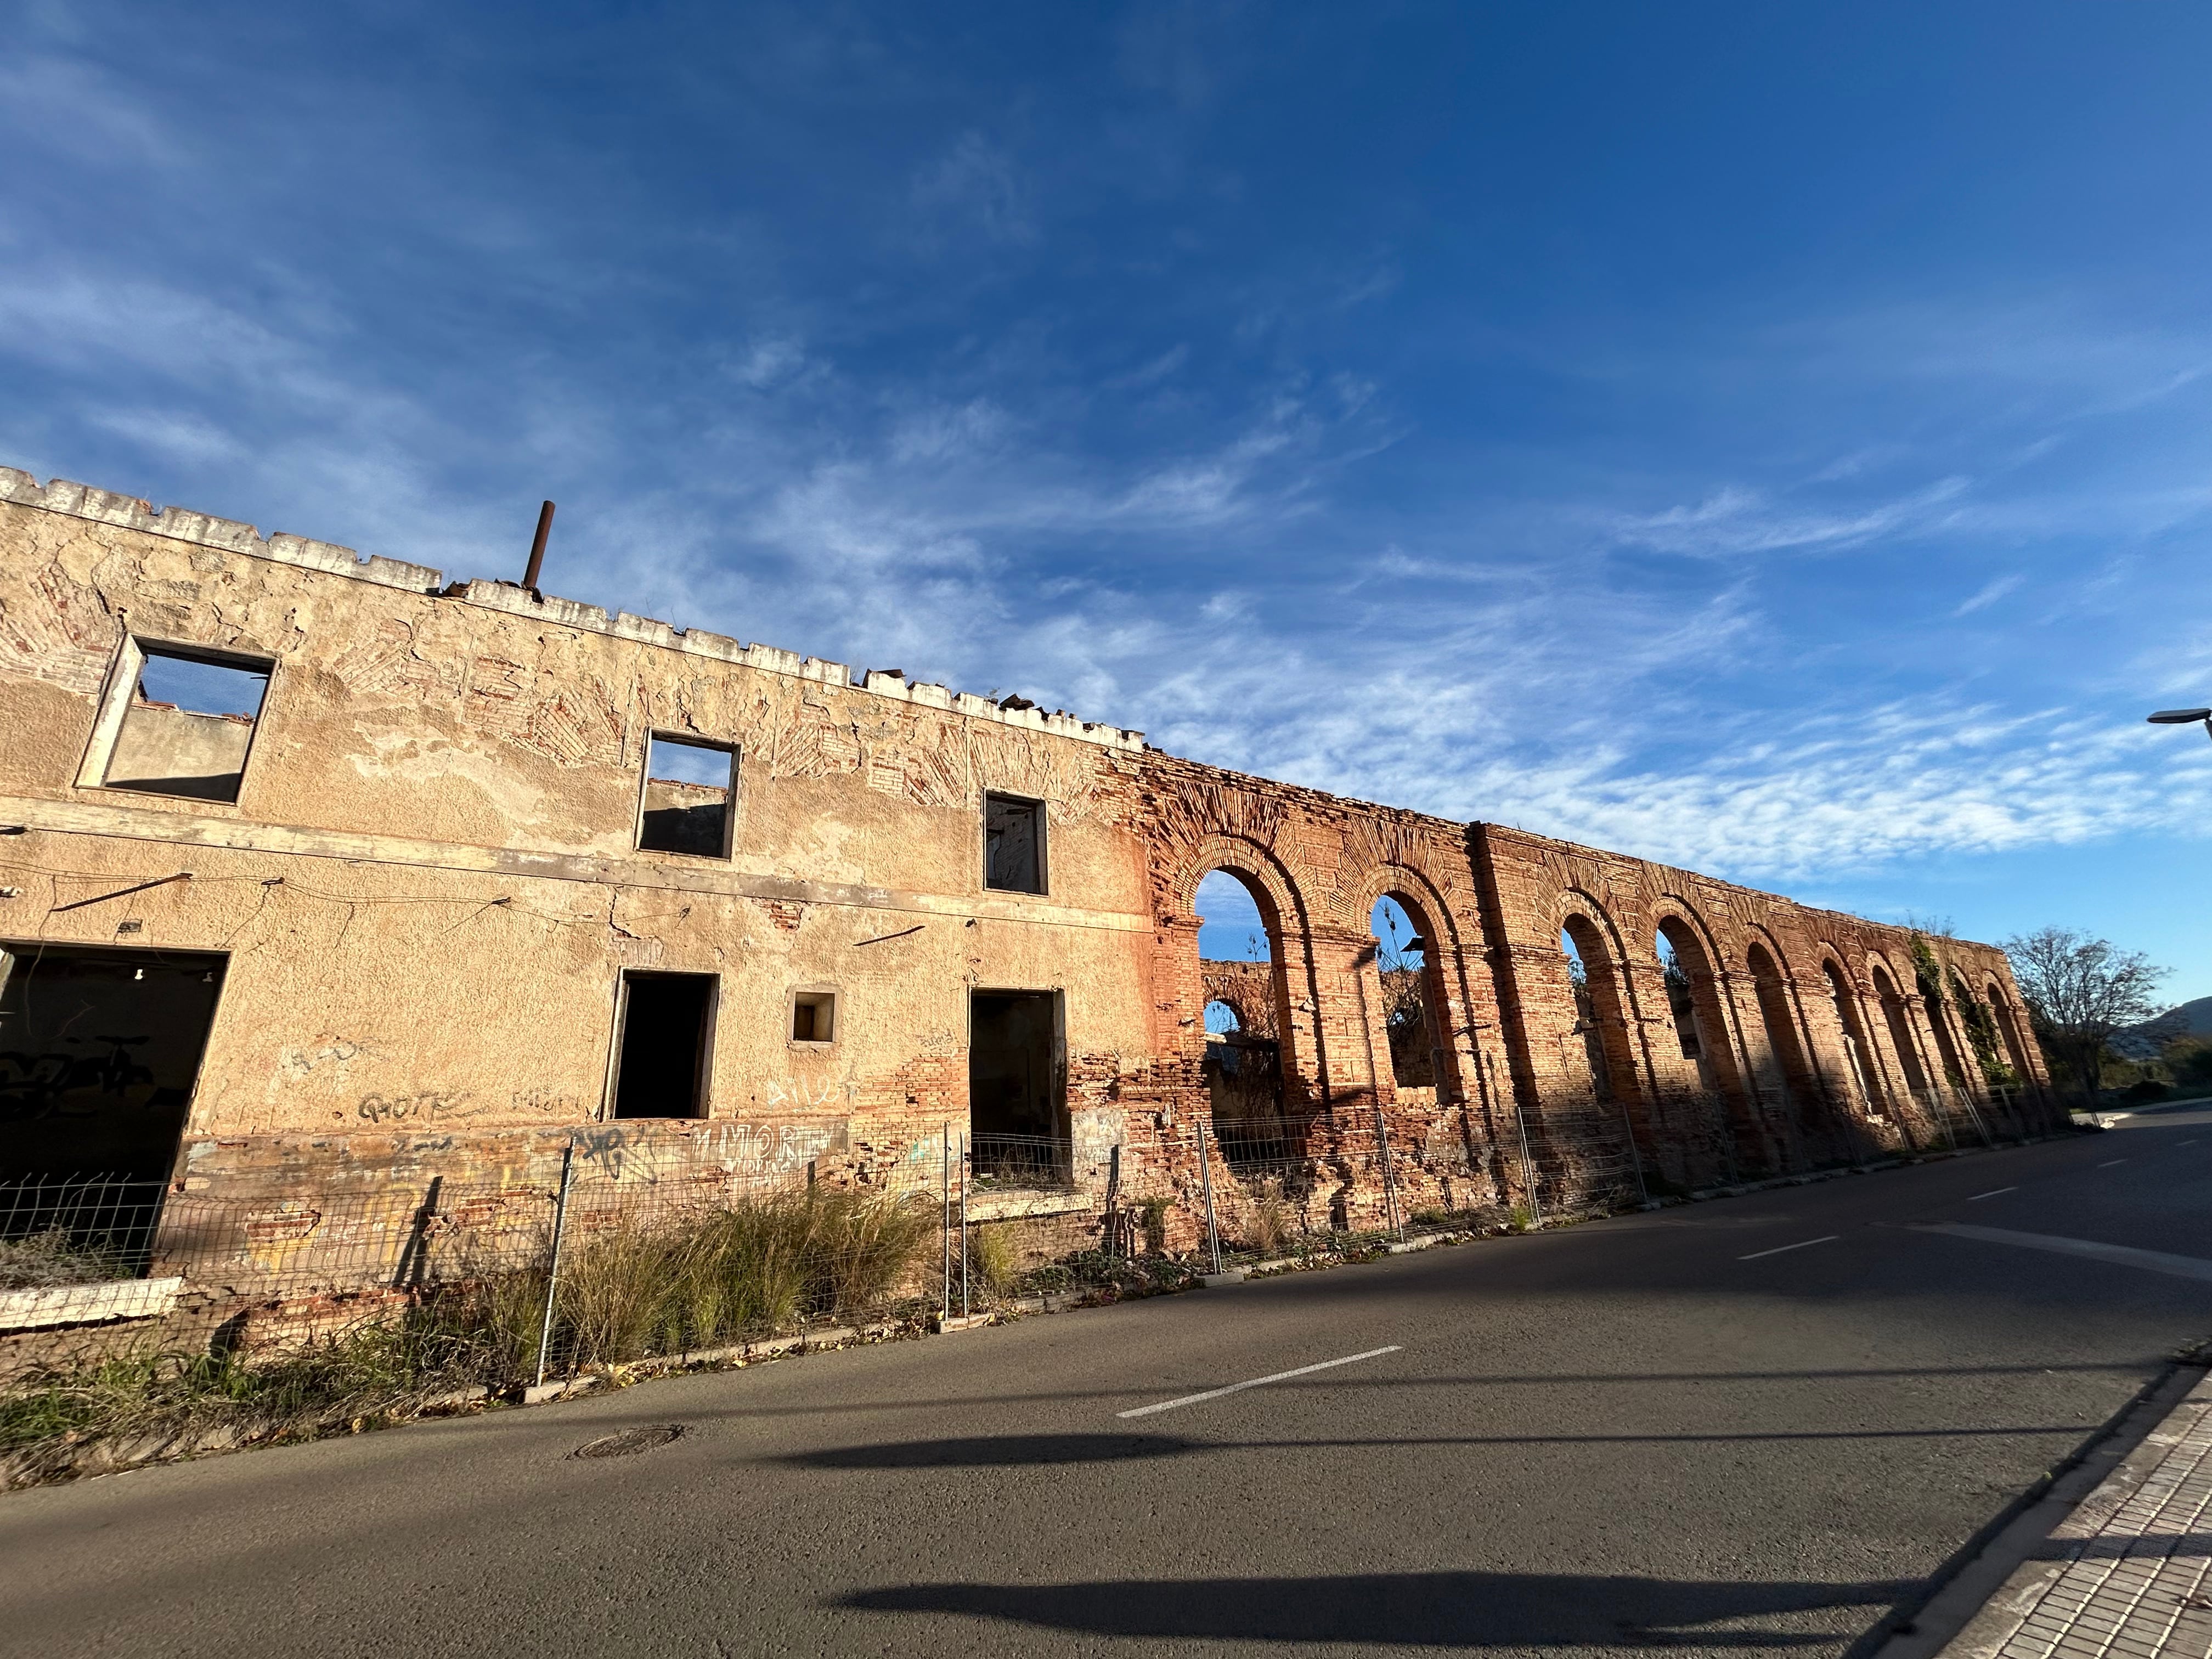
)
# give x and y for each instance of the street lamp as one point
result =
(2184, 717)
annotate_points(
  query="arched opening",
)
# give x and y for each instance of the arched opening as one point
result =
(1402, 962)
(1928, 978)
(1979, 1022)
(2008, 1028)
(1678, 949)
(1773, 999)
(1241, 974)
(1860, 1072)
(1701, 1030)
(1590, 1021)
(1900, 1034)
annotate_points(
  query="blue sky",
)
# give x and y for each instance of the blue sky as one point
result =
(1770, 439)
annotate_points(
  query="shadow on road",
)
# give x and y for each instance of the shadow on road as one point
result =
(997, 1451)
(1413, 1609)
(1020, 1451)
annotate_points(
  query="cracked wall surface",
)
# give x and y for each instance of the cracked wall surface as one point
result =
(428, 888)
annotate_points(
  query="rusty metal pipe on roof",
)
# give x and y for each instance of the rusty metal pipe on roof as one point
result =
(538, 547)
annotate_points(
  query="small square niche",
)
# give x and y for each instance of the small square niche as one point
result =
(814, 1017)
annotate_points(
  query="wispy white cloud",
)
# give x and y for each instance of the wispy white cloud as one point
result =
(1733, 521)
(1249, 535)
(975, 182)
(1988, 594)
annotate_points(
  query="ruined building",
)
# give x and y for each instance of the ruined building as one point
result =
(320, 875)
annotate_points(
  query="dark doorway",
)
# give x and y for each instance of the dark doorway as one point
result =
(1016, 1091)
(665, 1026)
(99, 1051)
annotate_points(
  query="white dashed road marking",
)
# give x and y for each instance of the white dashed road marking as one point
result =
(1993, 1193)
(2109, 1162)
(1829, 1239)
(1257, 1381)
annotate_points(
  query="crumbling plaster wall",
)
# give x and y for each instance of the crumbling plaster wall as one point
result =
(428, 888)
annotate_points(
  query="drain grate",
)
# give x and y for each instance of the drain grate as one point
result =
(630, 1442)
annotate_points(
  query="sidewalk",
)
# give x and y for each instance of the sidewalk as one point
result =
(2128, 1575)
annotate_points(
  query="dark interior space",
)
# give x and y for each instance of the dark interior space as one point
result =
(1013, 844)
(98, 1053)
(1014, 1085)
(687, 799)
(663, 1072)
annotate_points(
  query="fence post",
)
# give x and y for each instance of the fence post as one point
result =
(553, 1274)
(1389, 1179)
(966, 1158)
(1974, 1117)
(1635, 1158)
(1205, 1186)
(945, 1219)
(1528, 1167)
(1110, 1234)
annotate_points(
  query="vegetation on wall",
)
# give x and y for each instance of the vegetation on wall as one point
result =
(1981, 1023)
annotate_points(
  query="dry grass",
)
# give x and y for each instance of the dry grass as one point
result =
(1269, 1226)
(41, 1260)
(629, 1288)
(993, 1261)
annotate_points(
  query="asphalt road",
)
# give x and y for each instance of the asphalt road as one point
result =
(1663, 1430)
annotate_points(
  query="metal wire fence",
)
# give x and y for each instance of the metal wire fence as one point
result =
(609, 1264)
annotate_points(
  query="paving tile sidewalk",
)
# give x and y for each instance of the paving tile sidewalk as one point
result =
(2128, 1575)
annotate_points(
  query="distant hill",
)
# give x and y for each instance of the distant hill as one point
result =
(2144, 1042)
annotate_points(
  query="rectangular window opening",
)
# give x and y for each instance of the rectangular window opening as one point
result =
(813, 1015)
(188, 724)
(667, 1026)
(1013, 844)
(688, 785)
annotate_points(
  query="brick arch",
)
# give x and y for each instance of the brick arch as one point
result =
(1234, 1001)
(1447, 997)
(1673, 907)
(1825, 952)
(1285, 911)
(1378, 852)
(1570, 902)
(1725, 1063)
(1407, 882)
(1267, 878)
(1614, 1006)
(2010, 1013)
(1756, 934)
(1862, 1060)
(1797, 1049)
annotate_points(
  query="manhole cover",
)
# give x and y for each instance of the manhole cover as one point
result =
(630, 1442)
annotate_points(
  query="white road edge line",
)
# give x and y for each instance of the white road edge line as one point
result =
(1259, 1381)
(2109, 1162)
(1993, 1193)
(1830, 1239)
(2156, 1262)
